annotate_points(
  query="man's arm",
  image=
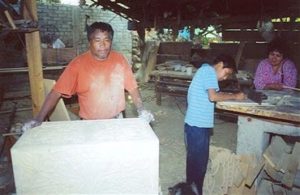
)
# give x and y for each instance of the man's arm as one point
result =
(220, 96)
(137, 100)
(48, 105)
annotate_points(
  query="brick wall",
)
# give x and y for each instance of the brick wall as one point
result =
(68, 23)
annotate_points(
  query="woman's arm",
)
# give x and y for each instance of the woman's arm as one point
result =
(259, 82)
(289, 74)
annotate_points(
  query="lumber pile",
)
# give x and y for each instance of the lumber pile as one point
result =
(228, 173)
(278, 172)
(282, 170)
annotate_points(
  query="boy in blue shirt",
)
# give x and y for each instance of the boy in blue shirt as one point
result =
(199, 119)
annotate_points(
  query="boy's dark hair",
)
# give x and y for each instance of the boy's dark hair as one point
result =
(102, 26)
(228, 61)
(278, 45)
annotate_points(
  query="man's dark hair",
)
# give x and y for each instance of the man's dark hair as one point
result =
(279, 45)
(228, 61)
(102, 26)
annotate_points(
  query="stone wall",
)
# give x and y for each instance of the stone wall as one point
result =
(67, 22)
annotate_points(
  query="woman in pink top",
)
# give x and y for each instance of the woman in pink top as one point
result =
(276, 71)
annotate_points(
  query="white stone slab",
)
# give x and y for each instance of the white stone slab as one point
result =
(117, 156)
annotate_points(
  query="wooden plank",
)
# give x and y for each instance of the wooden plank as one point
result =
(241, 36)
(244, 103)
(10, 20)
(296, 151)
(252, 25)
(60, 112)
(172, 74)
(290, 171)
(34, 60)
(254, 50)
(291, 164)
(239, 53)
(140, 75)
(239, 25)
(25, 69)
(151, 62)
(253, 173)
(30, 10)
(254, 35)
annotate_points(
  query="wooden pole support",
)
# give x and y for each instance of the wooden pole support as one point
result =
(10, 20)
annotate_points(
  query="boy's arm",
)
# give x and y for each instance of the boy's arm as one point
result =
(215, 96)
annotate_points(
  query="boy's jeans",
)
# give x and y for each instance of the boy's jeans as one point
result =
(197, 147)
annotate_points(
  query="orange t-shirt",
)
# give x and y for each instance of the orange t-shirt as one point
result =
(99, 84)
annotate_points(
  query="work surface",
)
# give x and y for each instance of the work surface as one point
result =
(113, 156)
(172, 73)
(280, 105)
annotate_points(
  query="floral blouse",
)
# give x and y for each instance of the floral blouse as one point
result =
(287, 74)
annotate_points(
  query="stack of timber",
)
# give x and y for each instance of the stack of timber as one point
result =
(276, 173)
(282, 170)
(228, 173)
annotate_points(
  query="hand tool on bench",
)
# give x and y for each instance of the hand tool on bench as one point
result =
(256, 96)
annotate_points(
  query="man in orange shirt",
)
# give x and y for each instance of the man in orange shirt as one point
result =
(99, 77)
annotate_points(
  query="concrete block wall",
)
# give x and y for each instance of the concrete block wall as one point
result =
(68, 23)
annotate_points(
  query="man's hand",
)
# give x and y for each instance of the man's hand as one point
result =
(30, 124)
(146, 115)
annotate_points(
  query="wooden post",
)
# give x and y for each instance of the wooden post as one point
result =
(34, 59)
(10, 20)
(239, 53)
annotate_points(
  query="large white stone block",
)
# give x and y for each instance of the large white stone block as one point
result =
(117, 156)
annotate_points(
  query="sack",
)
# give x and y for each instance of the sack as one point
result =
(58, 44)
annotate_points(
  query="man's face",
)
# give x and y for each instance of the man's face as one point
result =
(100, 44)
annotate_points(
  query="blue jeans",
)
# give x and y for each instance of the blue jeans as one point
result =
(197, 149)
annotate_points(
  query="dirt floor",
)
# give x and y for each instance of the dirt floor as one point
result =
(168, 126)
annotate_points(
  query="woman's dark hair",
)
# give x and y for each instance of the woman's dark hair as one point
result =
(278, 45)
(228, 61)
(102, 26)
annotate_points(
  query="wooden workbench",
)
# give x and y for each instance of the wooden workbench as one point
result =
(176, 83)
(280, 105)
(279, 114)
(170, 82)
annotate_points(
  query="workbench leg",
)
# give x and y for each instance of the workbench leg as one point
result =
(254, 134)
(251, 138)
(158, 98)
(157, 91)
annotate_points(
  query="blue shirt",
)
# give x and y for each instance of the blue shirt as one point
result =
(200, 110)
